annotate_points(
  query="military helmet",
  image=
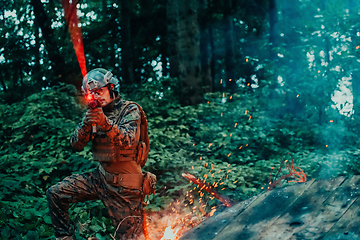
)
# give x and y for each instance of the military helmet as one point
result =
(98, 78)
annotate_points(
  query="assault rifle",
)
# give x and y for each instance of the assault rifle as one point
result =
(92, 103)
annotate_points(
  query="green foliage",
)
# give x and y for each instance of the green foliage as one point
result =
(231, 141)
(35, 153)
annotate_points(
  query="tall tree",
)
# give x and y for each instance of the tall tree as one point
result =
(57, 60)
(172, 38)
(229, 46)
(205, 47)
(273, 22)
(127, 64)
(189, 53)
(353, 8)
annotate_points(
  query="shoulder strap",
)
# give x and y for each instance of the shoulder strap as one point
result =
(144, 134)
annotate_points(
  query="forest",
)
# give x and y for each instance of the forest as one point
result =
(236, 92)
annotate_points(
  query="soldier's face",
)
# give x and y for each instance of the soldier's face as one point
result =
(102, 95)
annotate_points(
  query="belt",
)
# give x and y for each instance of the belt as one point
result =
(132, 181)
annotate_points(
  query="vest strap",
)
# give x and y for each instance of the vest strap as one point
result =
(131, 181)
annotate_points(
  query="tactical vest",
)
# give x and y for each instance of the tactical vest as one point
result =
(106, 151)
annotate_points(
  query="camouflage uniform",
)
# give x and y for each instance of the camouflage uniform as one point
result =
(124, 203)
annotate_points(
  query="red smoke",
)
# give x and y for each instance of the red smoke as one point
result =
(72, 22)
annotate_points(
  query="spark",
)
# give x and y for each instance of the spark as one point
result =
(249, 118)
(208, 189)
(220, 81)
(245, 112)
(235, 125)
(212, 212)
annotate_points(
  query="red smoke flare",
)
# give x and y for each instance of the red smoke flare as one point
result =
(72, 22)
(299, 175)
(207, 188)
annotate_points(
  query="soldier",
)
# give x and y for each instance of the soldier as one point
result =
(114, 129)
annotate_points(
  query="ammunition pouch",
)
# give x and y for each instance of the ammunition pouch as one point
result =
(141, 153)
(146, 182)
(131, 181)
(149, 183)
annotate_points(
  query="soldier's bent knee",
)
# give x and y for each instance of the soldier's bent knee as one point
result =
(51, 192)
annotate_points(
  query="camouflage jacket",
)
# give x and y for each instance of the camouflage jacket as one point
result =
(107, 146)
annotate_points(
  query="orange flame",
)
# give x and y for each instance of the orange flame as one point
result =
(170, 233)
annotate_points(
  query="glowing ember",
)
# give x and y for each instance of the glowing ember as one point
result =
(294, 172)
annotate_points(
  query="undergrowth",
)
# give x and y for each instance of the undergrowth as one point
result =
(232, 140)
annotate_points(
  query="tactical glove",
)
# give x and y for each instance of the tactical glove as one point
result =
(96, 116)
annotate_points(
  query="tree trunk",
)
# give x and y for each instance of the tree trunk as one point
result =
(229, 46)
(212, 60)
(3, 85)
(127, 64)
(172, 13)
(57, 61)
(164, 57)
(205, 51)
(189, 54)
(37, 67)
(355, 72)
(273, 21)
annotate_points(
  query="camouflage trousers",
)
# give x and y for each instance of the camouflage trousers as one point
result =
(123, 205)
